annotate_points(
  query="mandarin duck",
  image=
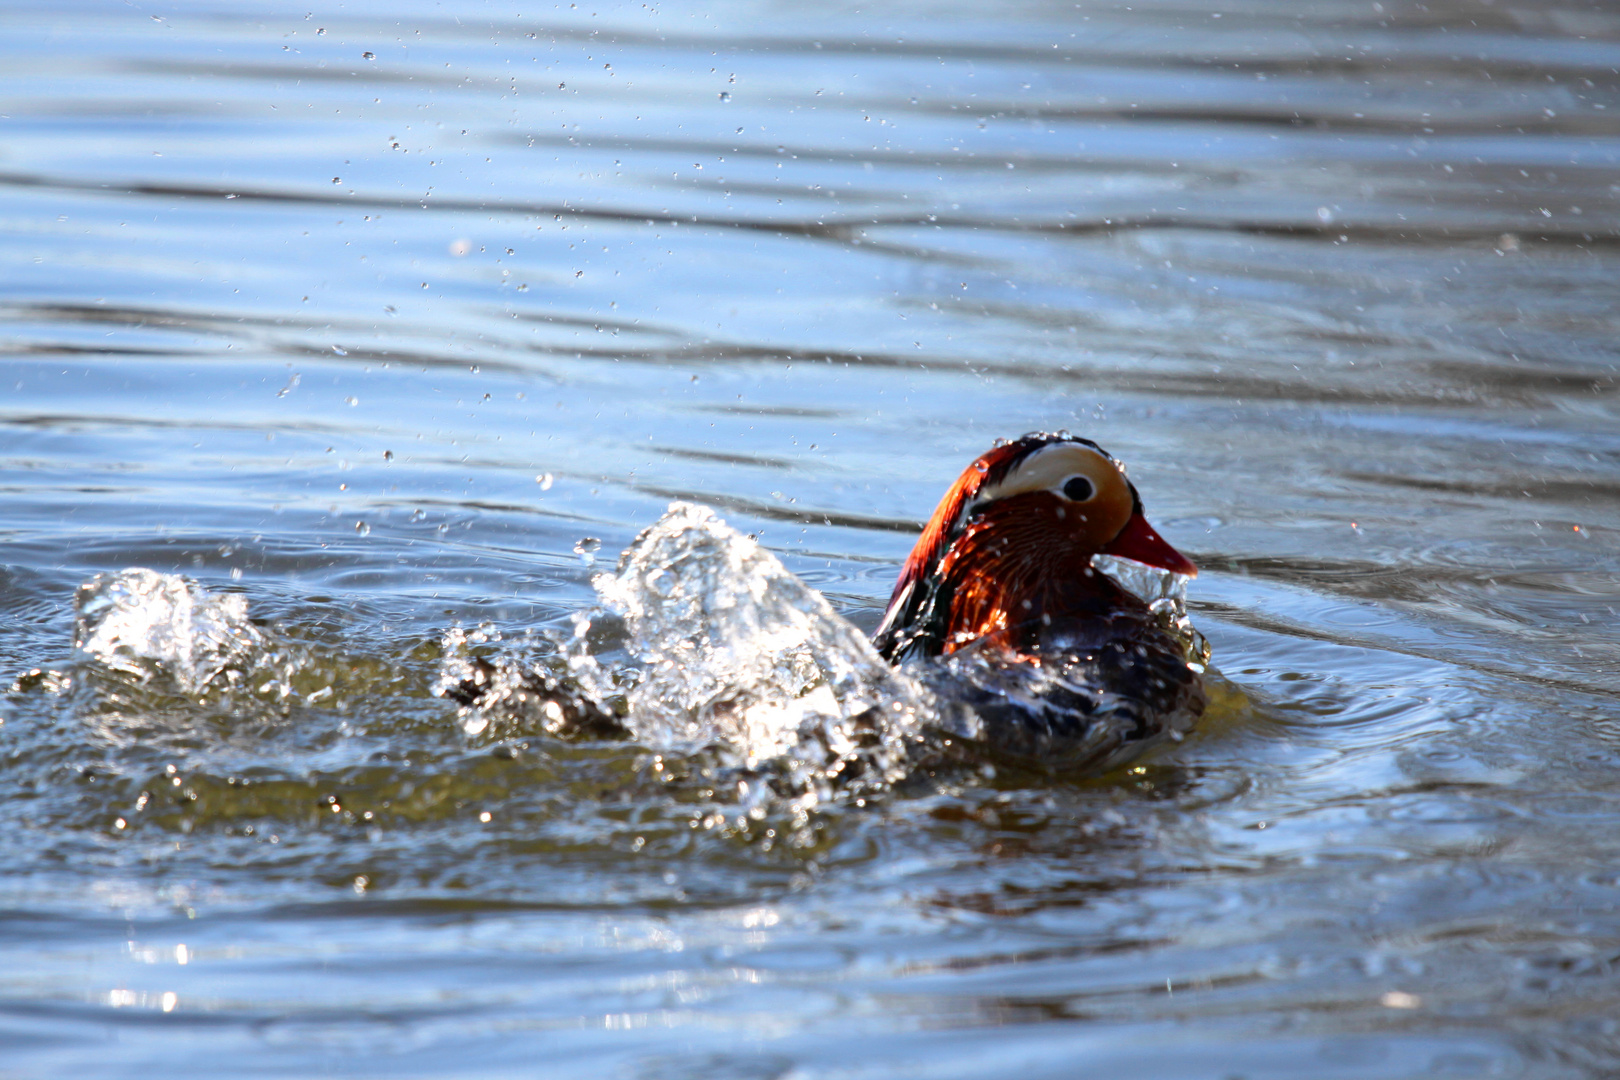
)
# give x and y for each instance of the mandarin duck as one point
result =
(1039, 656)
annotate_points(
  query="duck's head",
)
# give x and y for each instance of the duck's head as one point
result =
(1012, 543)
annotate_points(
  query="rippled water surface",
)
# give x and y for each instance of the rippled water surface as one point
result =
(393, 319)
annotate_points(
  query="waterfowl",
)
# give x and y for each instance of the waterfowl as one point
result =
(1001, 611)
(1024, 649)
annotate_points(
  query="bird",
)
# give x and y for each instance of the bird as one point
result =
(1037, 655)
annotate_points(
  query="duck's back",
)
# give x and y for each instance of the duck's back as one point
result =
(1077, 695)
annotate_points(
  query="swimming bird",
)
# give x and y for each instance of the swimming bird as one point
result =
(1000, 610)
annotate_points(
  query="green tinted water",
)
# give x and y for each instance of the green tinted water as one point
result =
(378, 341)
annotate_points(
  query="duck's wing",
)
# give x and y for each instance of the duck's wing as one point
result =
(915, 623)
(1098, 693)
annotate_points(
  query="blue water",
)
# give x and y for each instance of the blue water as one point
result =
(376, 341)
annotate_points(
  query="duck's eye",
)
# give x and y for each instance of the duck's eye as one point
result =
(1078, 488)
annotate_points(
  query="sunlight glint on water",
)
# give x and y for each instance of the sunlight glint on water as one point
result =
(386, 322)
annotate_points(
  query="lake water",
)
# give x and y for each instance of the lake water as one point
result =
(397, 318)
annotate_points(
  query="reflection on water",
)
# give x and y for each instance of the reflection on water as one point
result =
(372, 316)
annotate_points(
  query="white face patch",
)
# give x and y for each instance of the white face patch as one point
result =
(1049, 467)
(1054, 469)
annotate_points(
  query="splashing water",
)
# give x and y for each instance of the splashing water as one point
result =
(724, 648)
(732, 648)
(1165, 593)
(728, 650)
(140, 622)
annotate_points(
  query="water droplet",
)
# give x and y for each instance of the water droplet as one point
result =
(545, 480)
(368, 56)
(586, 549)
(362, 528)
(337, 179)
(351, 401)
(725, 95)
(388, 455)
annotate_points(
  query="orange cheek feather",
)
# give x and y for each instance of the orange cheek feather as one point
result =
(1002, 568)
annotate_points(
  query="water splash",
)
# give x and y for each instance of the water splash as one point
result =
(140, 622)
(704, 641)
(728, 647)
(1165, 593)
(512, 697)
